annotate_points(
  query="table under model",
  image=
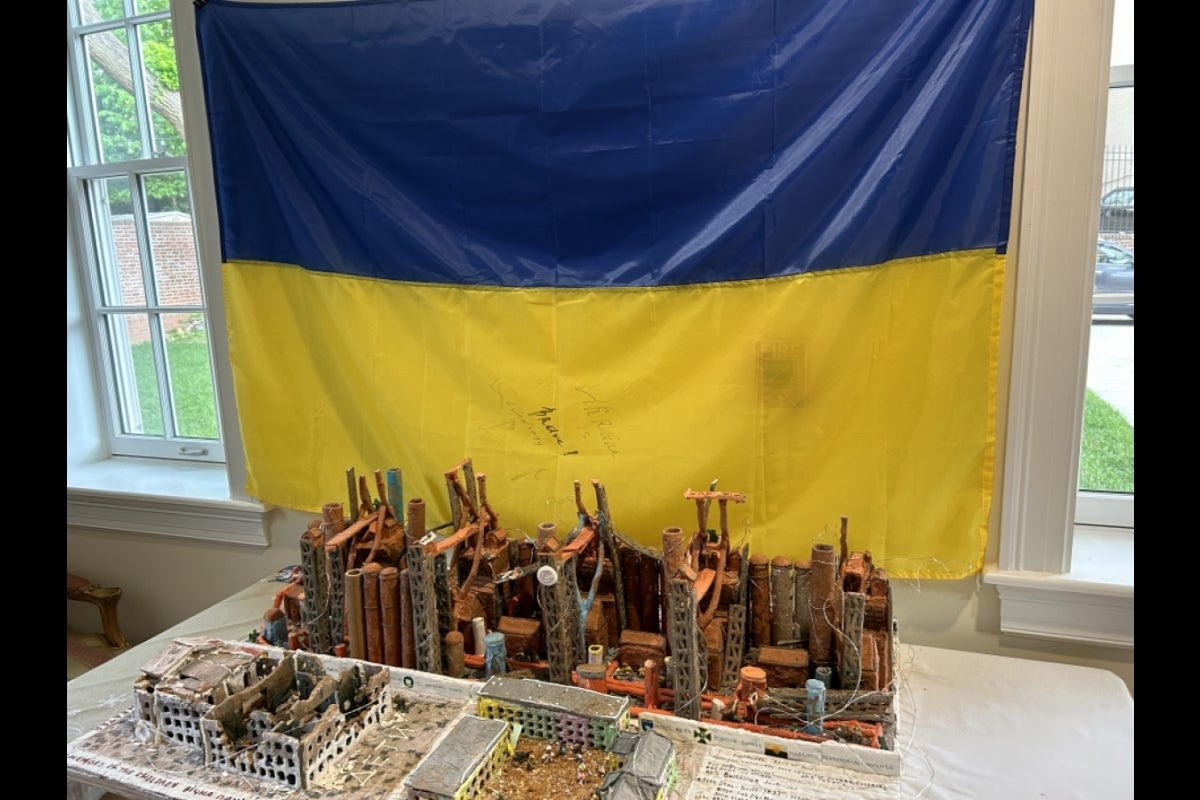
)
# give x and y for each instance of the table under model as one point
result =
(971, 726)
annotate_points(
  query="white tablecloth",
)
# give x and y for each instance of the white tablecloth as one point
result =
(972, 726)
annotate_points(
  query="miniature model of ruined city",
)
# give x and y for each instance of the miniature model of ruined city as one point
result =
(581, 641)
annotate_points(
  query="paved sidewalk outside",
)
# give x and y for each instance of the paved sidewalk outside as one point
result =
(1110, 363)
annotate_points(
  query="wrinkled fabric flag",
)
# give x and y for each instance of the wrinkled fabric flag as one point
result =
(652, 244)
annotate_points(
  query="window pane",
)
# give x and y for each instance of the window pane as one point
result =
(117, 249)
(172, 240)
(1106, 453)
(1116, 205)
(161, 78)
(147, 6)
(135, 375)
(192, 393)
(116, 119)
(97, 10)
(1106, 464)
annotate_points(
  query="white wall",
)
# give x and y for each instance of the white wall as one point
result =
(167, 580)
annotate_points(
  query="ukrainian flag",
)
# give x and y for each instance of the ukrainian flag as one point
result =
(653, 243)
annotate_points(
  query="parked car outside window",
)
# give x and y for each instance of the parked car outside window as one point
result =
(1116, 210)
(1112, 291)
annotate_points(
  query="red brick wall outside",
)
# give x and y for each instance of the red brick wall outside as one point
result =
(177, 272)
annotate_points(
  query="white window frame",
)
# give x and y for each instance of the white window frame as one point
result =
(1065, 564)
(154, 496)
(87, 174)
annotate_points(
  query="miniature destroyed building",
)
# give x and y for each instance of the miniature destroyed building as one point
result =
(283, 720)
(179, 686)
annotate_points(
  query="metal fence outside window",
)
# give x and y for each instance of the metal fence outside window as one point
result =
(1116, 204)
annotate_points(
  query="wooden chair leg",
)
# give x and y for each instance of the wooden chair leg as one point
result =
(108, 617)
(105, 599)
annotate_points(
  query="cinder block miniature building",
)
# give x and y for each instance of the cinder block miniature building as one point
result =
(621, 749)
(463, 761)
(644, 768)
(554, 711)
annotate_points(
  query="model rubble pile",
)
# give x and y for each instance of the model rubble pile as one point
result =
(696, 629)
(541, 769)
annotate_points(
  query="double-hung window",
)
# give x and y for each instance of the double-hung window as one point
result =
(152, 440)
(129, 198)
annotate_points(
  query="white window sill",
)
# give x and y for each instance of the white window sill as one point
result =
(1091, 604)
(160, 498)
